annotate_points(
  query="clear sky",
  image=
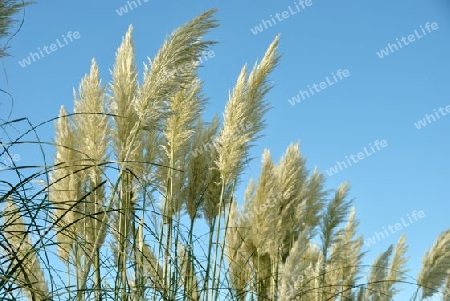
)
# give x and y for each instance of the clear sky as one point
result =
(377, 96)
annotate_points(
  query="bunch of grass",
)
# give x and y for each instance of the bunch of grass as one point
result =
(291, 239)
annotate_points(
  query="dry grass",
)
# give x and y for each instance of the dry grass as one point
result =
(138, 174)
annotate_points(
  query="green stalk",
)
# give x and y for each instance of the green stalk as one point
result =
(68, 277)
(225, 235)
(123, 207)
(222, 191)
(97, 276)
(160, 245)
(98, 279)
(169, 256)
(275, 277)
(78, 271)
(139, 255)
(125, 215)
(167, 270)
(208, 260)
(191, 230)
(175, 276)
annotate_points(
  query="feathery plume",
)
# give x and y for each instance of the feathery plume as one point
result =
(126, 137)
(200, 169)
(65, 187)
(152, 268)
(435, 266)
(397, 270)
(352, 267)
(291, 176)
(346, 257)
(262, 220)
(29, 275)
(127, 145)
(293, 271)
(91, 130)
(246, 105)
(188, 276)
(334, 215)
(182, 48)
(92, 133)
(237, 257)
(249, 198)
(377, 276)
(210, 205)
(184, 109)
(446, 293)
(310, 211)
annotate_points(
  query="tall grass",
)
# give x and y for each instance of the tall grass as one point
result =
(125, 205)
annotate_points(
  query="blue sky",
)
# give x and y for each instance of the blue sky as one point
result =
(380, 99)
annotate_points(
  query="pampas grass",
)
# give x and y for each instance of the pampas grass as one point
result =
(24, 268)
(237, 256)
(291, 177)
(200, 172)
(397, 270)
(292, 282)
(64, 189)
(345, 258)
(246, 105)
(138, 174)
(188, 274)
(92, 134)
(378, 273)
(435, 266)
(446, 292)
